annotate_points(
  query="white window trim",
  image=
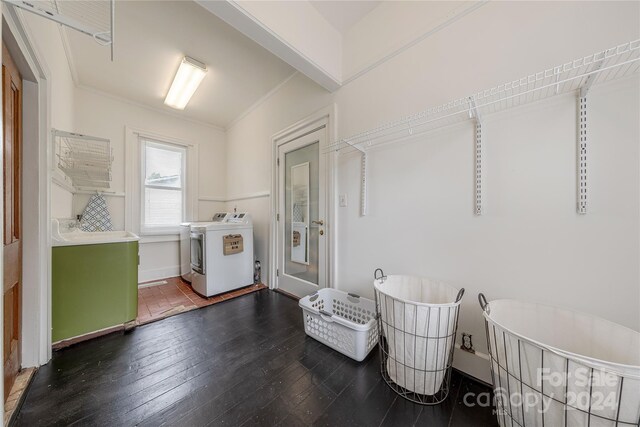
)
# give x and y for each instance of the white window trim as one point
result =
(134, 184)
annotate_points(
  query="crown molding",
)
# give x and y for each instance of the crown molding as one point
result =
(148, 107)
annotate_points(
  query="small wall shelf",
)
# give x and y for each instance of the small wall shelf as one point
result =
(572, 77)
(86, 160)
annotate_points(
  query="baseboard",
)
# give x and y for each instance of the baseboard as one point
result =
(91, 335)
(158, 273)
(286, 294)
(475, 364)
(472, 378)
(152, 284)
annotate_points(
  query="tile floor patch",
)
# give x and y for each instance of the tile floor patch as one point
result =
(175, 297)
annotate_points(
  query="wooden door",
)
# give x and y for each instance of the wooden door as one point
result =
(12, 149)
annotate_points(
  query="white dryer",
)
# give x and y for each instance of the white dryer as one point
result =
(185, 243)
(222, 255)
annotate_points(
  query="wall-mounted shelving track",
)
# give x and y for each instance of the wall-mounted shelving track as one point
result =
(95, 18)
(86, 160)
(572, 77)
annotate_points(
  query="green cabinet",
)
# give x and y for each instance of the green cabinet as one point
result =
(95, 287)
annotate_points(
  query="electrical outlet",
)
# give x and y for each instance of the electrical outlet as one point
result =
(467, 343)
(343, 200)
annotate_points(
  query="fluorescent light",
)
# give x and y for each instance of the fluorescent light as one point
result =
(187, 79)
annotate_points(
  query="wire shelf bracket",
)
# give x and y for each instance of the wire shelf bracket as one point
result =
(94, 18)
(576, 76)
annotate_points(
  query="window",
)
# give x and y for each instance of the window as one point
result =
(163, 185)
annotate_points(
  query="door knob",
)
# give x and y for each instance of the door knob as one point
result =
(319, 222)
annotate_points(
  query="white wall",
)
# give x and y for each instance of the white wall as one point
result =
(371, 38)
(530, 243)
(105, 116)
(249, 154)
(61, 202)
(45, 36)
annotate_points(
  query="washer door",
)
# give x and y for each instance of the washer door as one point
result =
(197, 252)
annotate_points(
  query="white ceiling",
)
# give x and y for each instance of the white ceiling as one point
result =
(342, 15)
(150, 40)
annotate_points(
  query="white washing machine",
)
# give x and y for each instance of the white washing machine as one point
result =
(185, 243)
(222, 255)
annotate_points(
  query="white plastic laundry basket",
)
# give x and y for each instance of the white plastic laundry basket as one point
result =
(343, 321)
(418, 319)
(556, 367)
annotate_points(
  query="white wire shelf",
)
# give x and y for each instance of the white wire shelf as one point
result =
(86, 160)
(610, 64)
(95, 18)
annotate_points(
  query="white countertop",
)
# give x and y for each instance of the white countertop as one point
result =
(77, 237)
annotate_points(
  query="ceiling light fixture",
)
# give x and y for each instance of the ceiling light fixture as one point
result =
(187, 79)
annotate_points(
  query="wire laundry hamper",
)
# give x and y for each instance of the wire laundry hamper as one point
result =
(555, 367)
(417, 322)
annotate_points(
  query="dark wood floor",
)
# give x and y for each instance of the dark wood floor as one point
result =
(242, 362)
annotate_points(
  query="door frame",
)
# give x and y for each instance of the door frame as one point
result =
(327, 117)
(315, 136)
(37, 172)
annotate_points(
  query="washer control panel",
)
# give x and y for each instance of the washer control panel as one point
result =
(219, 217)
(237, 218)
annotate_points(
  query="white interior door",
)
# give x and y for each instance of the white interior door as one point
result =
(302, 237)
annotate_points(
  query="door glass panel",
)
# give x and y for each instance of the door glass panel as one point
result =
(300, 213)
(302, 185)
